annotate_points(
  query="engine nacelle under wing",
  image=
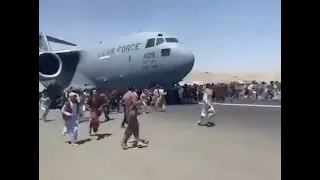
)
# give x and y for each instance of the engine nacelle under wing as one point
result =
(60, 67)
(50, 66)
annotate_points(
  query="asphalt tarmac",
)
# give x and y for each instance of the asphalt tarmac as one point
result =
(245, 144)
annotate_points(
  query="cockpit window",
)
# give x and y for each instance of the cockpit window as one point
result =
(159, 41)
(150, 43)
(172, 40)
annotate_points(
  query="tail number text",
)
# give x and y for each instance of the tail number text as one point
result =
(149, 55)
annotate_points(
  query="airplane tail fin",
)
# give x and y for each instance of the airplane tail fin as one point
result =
(43, 42)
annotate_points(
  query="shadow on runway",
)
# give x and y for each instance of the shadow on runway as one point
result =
(208, 124)
(101, 135)
(184, 103)
(134, 145)
(80, 142)
(140, 113)
(110, 119)
(48, 120)
(84, 120)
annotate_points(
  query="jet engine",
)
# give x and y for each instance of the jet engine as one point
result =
(50, 66)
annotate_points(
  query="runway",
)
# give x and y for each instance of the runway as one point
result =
(245, 144)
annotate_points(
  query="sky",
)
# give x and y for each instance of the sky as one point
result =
(224, 35)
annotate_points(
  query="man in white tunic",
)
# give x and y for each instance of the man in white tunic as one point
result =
(144, 100)
(71, 114)
(155, 96)
(207, 107)
(44, 104)
(161, 101)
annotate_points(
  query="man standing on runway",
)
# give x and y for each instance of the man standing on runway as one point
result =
(207, 107)
(131, 103)
(44, 104)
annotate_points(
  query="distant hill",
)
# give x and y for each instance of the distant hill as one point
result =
(208, 77)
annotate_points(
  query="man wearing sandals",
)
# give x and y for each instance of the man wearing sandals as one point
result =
(131, 102)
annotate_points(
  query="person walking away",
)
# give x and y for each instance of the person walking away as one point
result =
(232, 89)
(199, 93)
(149, 97)
(63, 99)
(251, 90)
(105, 106)
(131, 102)
(155, 97)
(82, 105)
(144, 100)
(124, 121)
(115, 100)
(162, 99)
(276, 89)
(70, 114)
(207, 107)
(94, 106)
(44, 104)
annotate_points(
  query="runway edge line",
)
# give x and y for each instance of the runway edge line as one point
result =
(246, 105)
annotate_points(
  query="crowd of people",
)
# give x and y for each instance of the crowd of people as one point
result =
(75, 103)
(223, 92)
(135, 101)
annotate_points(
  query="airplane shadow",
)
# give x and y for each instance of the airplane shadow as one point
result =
(101, 135)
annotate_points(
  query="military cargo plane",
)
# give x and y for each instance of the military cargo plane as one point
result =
(137, 60)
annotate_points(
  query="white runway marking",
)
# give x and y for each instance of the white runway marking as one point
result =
(247, 105)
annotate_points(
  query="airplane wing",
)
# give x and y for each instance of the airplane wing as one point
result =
(62, 52)
(44, 41)
(68, 59)
(67, 63)
(56, 40)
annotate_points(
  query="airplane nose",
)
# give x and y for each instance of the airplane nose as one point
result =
(188, 61)
(181, 61)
